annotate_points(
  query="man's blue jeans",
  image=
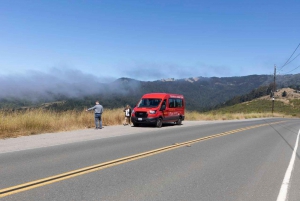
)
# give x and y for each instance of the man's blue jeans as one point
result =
(98, 121)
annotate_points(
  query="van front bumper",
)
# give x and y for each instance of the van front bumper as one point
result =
(140, 120)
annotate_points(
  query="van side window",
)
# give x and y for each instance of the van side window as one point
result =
(171, 103)
(175, 102)
(178, 102)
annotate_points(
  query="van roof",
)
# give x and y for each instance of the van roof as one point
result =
(162, 95)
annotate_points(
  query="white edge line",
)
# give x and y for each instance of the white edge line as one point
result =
(282, 196)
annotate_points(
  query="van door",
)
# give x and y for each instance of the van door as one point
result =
(172, 112)
(163, 108)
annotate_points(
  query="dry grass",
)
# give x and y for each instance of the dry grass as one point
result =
(30, 122)
(210, 116)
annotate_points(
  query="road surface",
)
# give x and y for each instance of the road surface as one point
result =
(255, 159)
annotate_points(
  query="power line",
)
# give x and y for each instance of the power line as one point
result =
(293, 59)
(288, 61)
(292, 70)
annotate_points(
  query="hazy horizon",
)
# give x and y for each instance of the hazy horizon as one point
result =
(35, 85)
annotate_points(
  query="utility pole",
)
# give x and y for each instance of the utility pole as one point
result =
(274, 89)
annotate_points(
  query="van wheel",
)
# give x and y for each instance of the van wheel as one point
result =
(159, 123)
(136, 125)
(179, 121)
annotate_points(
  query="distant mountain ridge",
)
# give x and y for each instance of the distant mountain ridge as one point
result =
(201, 93)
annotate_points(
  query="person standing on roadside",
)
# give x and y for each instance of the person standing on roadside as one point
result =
(127, 111)
(98, 109)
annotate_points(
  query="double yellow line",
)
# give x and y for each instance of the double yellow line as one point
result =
(75, 173)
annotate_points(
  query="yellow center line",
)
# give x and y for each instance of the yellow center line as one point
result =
(49, 180)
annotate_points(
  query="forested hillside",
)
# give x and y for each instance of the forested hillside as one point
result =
(201, 93)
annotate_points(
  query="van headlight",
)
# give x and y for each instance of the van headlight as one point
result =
(152, 111)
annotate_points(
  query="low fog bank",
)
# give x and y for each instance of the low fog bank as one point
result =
(36, 86)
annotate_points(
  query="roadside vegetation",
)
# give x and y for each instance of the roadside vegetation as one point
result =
(287, 103)
(217, 115)
(31, 121)
(288, 108)
(37, 121)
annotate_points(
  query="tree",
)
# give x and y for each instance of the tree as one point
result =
(284, 94)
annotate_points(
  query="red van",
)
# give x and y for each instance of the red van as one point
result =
(158, 108)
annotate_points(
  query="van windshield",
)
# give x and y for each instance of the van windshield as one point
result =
(149, 102)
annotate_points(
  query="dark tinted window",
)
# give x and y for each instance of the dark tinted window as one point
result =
(149, 102)
(175, 102)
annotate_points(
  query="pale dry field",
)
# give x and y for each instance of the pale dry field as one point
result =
(37, 121)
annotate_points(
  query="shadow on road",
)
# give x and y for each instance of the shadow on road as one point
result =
(292, 148)
(153, 126)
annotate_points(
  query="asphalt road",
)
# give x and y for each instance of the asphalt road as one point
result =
(234, 160)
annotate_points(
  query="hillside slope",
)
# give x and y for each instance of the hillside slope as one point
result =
(285, 105)
(201, 93)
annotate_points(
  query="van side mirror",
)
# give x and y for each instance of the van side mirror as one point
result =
(163, 107)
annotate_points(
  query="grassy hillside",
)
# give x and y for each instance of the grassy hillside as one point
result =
(289, 105)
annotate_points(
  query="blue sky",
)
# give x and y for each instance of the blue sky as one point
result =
(148, 40)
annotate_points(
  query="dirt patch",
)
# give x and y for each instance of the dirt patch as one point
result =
(290, 94)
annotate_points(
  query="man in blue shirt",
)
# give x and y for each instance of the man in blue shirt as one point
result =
(98, 112)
